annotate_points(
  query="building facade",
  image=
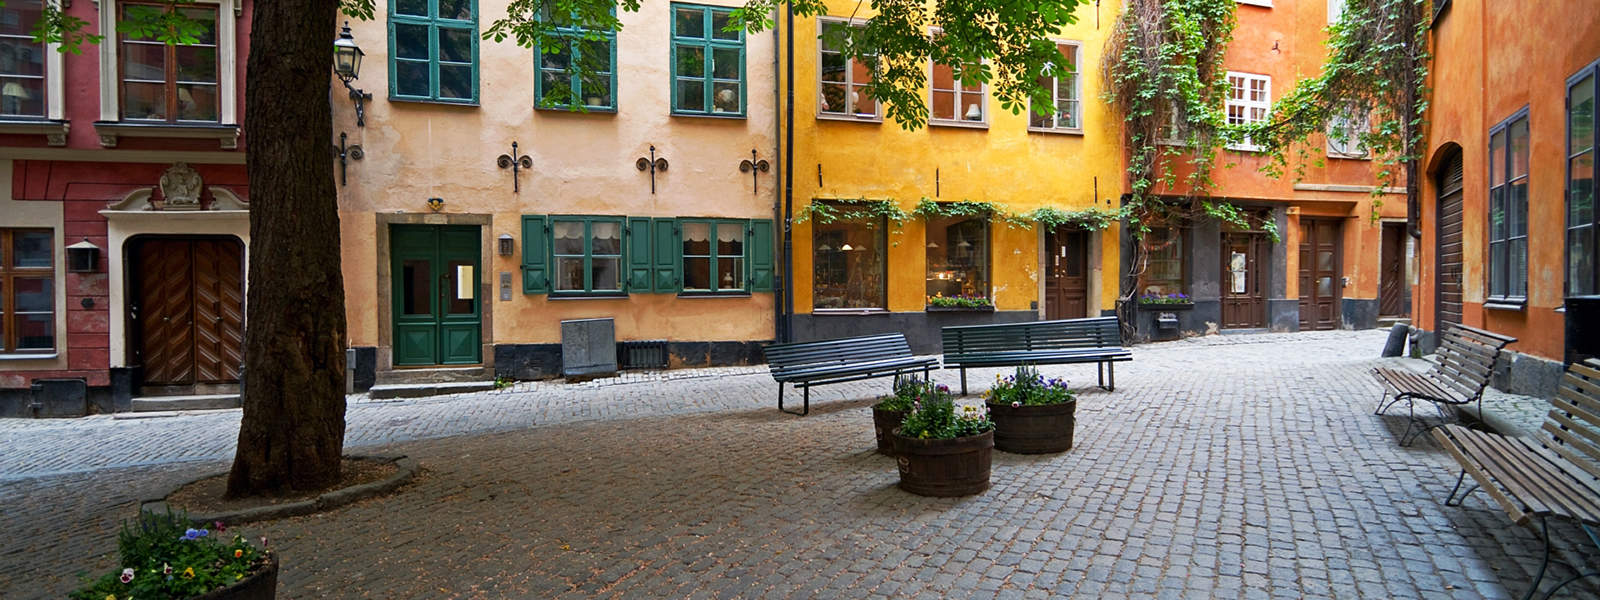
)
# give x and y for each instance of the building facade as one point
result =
(124, 217)
(1339, 259)
(650, 204)
(1508, 196)
(867, 260)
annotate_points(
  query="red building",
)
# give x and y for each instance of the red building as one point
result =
(124, 217)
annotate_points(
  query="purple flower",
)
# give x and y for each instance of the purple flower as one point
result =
(194, 534)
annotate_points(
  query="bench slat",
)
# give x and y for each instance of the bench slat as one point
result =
(1582, 460)
(1544, 486)
(1446, 437)
(1488, 454)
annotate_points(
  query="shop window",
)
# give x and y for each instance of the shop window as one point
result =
(707, 62)
(586, 253)
(843, 81)
(713, 256)
(1065, 94)
(578, 69)
(1508, 210)
(169, 82)
(1582, 172)
(849, 268)
(27, 291)
(1249, 101)
(433, 50)
(958, 257)
(1164, 265)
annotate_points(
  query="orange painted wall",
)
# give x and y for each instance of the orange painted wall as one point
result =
(1488, 64)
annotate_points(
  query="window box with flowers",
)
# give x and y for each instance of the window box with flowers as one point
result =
(1166, 302)
(962, 303)
(942, 449)
(164, 556)
(1032, 415)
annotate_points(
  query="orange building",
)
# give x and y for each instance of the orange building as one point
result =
(1341, 255)
(1508, 197)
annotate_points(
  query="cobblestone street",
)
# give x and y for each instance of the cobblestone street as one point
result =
(1244, 466)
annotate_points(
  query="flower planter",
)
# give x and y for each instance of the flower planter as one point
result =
(884, 422)
(1161, 306)
(933, 309)
(261, 585)
(1033, 429)
(944, 468)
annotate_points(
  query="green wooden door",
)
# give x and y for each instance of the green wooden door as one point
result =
(437, 312)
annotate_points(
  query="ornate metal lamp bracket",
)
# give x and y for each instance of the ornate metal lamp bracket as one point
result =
(353, 152)
(516, 163)
(755, 167)
(651, 164)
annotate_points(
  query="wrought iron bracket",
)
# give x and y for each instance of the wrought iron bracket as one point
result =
(360, 98)
(515, 162)
(651, 164)
(352, 152)
(755, 167)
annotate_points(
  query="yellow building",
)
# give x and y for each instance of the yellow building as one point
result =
(857, 271)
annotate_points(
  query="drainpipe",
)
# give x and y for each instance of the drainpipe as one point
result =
(779, 281)
(787, 315)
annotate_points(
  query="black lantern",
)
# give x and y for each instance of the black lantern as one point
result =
(83, 257)
(347, 65)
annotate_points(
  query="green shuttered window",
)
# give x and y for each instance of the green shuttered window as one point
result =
(579, 68)
(433, 50)
(608, 256)
(707, 62)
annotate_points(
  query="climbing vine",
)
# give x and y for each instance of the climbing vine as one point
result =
(857, 209)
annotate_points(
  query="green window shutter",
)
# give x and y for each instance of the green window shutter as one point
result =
(638, 252)
(758, 246)
(535, 255)
(668, 255)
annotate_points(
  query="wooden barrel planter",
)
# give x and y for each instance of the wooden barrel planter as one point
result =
(884, 422)
(1033, 429)
(260, 585)
(944, 468)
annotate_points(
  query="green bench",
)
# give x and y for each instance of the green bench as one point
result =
(1072, 341)
(805, 364)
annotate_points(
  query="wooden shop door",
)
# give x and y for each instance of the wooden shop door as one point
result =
(188, 322)
(1392, 276)
(1320, 293)
(1066, 282)
(1244, 288)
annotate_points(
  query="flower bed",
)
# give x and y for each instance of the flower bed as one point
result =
(162, 556)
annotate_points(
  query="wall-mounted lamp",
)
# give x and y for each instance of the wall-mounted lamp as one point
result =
(83, 257)
(347, 65)
(507, 244)
(436, 204)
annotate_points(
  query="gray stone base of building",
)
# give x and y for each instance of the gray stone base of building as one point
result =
(56, 398)
(1283, 314)
(364, 367)
(1198, 320)
(543, 361)
(1359, 313)
(920, 328)
(1526, 374)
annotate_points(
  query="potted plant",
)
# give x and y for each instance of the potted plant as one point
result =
(164, 556)
(1032, 415)
(965, 302)
(1174, 301)
(892, 409)
(943, 450)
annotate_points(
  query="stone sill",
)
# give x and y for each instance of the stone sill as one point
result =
(110, 131)
(55, 132)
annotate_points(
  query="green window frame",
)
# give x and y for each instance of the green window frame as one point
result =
(592, 264)
(577, 61)
(702, 82)
(433, 51)
(724, 261)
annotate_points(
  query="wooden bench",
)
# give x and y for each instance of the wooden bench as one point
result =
(1466, 359)
(1097, 340)
(806, 364)
(1556, 474)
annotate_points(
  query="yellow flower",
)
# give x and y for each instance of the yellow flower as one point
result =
(189, 572)
(111, 597)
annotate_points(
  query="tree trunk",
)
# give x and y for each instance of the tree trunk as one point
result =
(292, 434)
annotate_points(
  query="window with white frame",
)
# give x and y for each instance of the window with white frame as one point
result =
(1249, 101)
(30, 72)
(1066, 109)
(1335, 10)
(1263, 3)
(843, 81)
(952, 102)
(197, 82)
(1344, 134)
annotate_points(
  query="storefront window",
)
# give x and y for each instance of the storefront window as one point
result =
(958, 257)
(1164, 272)
(848, 263)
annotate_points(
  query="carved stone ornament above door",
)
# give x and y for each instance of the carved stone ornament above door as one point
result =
(181, 188)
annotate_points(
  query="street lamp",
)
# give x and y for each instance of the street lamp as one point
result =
(347, 65)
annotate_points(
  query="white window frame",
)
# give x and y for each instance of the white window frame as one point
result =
(850, 113)
(983, 90)
(1354, 148)
(1077, 85)
(1261, 3)
(1335, 10)
(227, 62)
(1245, 104)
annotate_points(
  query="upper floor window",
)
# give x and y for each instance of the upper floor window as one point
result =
(1508, 209)
(953, 102)
(169, 82)
(1264, 3)
(1344, 134)
(1249, 101)
(1582, 171)
(27, 291)
(433, 50)
(22, 68)
(843, 85)
(1065, 94)
(1335, 10)
(577, 70)
(707, 62)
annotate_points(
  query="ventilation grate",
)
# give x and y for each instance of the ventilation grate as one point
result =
(647, 354)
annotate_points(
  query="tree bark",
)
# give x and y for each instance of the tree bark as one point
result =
(292, 434)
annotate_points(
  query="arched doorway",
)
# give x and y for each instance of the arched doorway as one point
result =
(1448, 178)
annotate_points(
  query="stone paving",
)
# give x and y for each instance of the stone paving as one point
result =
(1227, 467)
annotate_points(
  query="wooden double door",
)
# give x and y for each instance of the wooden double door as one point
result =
(187, 322)
(1244, 284)
(1066, 281)
(1321, 246)
(437, 314)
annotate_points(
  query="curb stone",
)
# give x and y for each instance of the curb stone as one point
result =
(406, 469)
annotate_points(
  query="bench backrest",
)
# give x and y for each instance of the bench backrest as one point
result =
(1574, 420)
(1097, 332)
(1467, 356)
(839, 351)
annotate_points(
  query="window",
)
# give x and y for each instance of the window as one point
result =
(587, 252)
(707, 62)
(843, 85)
(1064, 94)
(1249, 100)
(952, 102)
(27, 291)
(713, 256)
(1508, 210)
(1344, 134)
(167, 82)
(22, 79)
(849, 264)
(1164, 270)
(1335, 10)
(578, 71)
(1262, 3)
(1582, 171)
(958, 257)
(433, 50)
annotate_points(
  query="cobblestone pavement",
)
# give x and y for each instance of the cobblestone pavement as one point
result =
(1227, 467)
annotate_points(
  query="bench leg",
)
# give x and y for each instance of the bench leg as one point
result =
(1533, 588)
(806, 389)
(1111, 376)
(1100, 372)
(963, 381)
(1463, 498)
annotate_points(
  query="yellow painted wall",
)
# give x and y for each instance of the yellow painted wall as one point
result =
(1004, 163)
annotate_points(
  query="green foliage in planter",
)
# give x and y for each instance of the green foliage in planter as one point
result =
(909, 390)
(942, 301)
(940, 419)
(163, 557)
(1028, 388)
(1164, 299)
